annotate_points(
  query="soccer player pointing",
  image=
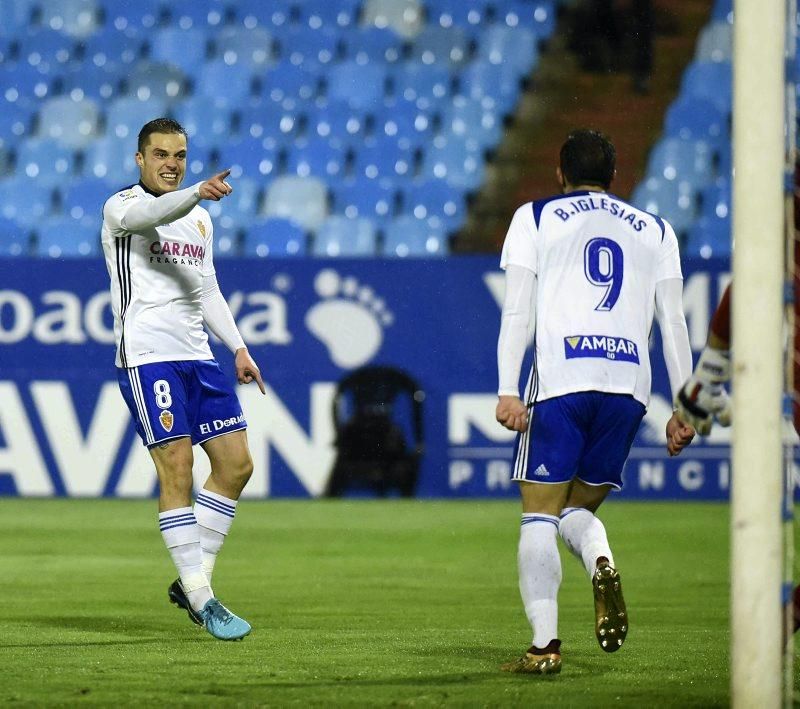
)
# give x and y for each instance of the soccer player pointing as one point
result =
(588, 272)
(158, 245)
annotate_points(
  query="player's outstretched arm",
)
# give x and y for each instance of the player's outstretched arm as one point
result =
(703, 398)
(512, 413)
(246, 369)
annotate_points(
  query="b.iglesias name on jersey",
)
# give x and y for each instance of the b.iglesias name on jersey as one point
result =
(589, 204)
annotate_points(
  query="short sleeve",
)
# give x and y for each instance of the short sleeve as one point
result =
(519, 247)
(669, 259)
(116, 207)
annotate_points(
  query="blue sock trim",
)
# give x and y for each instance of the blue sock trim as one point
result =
(531, 518)
(215, 505)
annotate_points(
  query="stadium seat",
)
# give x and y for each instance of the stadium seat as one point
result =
(126, 115)
(456, 160)
(716, 42)
(205, 122)
(142, 14)
(16, 123)
(467, 118)
(112, 159)
(16, 240)
(361, 86)
(448, 46)
(373, 199)
(316, 157)
(403, 16)
(539, 15)
(408, 236)
(496, 86)
(256, 13)
(712, 81)
(384, 158)
(428, 86)
(38, 202)
(45, 160)
(697, 119)
(709, 237)
(89, 81)
(240, 207)
(301, 199)
(440, 205)
(85, 197)
(324, 13)
(276, 238)
(302, 46)
(153, 81)
(77, 18)
(22, 83)
(513, 47)
(252, 47)
(188, 14)
(60, 237)
(716, 199)
(219, 84)
(674, 200)
(403, 122)
(17, 15)
(47, 50)
(676, 159)
(290, 85)
(184, 48)
(227, 240)
(254, 158)
(71, 123)
(723, 10)
(336, 122)
(112, 47)
(449, 13)
(267, 120)
(364, 45)
(340, 236)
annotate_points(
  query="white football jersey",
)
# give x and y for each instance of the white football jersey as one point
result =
(597, 260)
(156, 281)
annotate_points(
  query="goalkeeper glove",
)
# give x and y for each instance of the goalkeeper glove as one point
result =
(703, 397)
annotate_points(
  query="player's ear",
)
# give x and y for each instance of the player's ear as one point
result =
(140, 159)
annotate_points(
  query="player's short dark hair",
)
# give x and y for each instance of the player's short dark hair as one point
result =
(158, 125)
(588, 158)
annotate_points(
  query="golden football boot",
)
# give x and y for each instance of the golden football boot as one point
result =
(611, 618)
(536, 661)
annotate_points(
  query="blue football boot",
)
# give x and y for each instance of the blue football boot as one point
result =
(221, 623)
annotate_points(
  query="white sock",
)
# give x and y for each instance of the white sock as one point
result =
(214, 515)
(182, 536)
(540, 575)
(585, 536)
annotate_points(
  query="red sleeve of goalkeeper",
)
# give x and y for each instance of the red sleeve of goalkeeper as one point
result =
(721, 320)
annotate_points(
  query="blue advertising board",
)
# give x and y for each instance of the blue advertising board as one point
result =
(65, 431)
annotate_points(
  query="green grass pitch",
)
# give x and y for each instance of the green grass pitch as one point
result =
(354, 603)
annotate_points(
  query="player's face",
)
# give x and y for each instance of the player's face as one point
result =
(163, 163)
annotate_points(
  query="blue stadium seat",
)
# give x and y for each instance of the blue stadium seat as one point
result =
(126, 115)
(85, 197)
(676, 159)
(340, 236)
(317, 157)
(336, 122)
(6, 49)
(266, 120)
(112, 47)
(403, 122)
(405, 17)
(187, 14)
(249, 157)
(468, 118)
(716, 42)
(364, 45)
(275, 14)
(15, 240)
(37, 205)
(373, 199)
(496, 86)
(709, 237)
(252, 47)
(16, 123)
(538, 15)
(385, 158)
(125, 16)
(227, 240)
(447, 13)
(240, 207)
(77, 18)
(186, 49)
(205, 122)
(17, 16)
(428, 86)
(290, 85)
(448, 46)
(153, 81)
(60, 237)
(324, 13)
(45, 160)
(89, 81)
(302, 46)
(71, 123)
(47, 50)
(276, 238)
(301, 199)
(219, 84)
(674, 200)
(722, 10)
(716, 199)
(697, 119)
(407, 236)
(712, 81)
(456, 160)
(22, 83)
(440, 205)
(112, 159)
(514, 47)
(199, 162)
(360, 86)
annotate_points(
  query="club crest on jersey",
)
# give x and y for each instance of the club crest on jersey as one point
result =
(602, 346)
(166, 419)
(202, 228)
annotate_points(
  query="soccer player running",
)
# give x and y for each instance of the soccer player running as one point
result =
(158, 245)
(588, 272)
